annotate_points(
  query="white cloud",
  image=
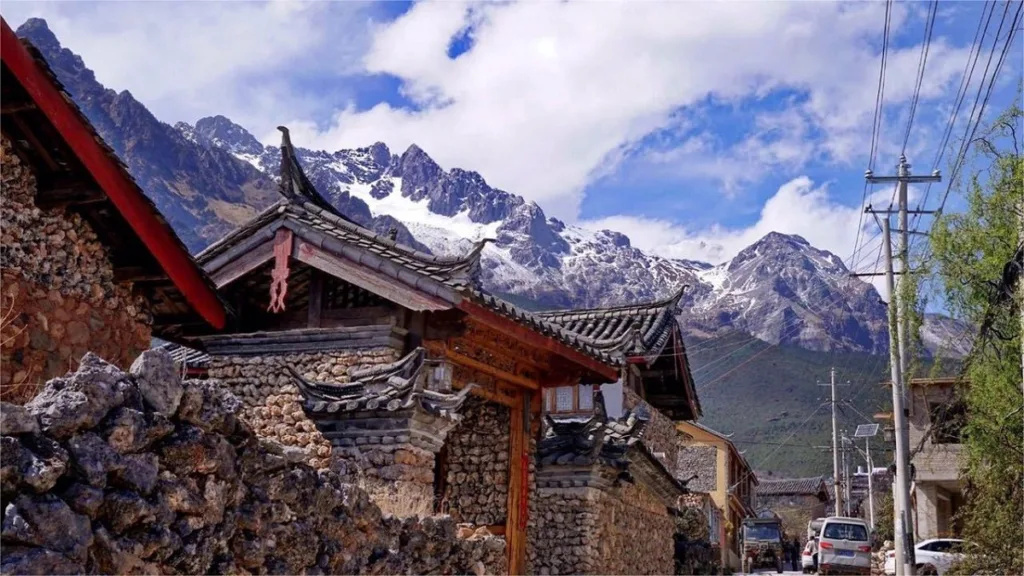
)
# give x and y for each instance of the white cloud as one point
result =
(551, 93)
(184, 60)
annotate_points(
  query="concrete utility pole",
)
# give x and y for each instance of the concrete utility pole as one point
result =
(835, 447)
(846, 476)
(871, 483)
(899, 315)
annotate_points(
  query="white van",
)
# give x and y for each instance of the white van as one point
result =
(844, 546)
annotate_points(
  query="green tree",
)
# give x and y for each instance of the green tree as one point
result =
(971, 250)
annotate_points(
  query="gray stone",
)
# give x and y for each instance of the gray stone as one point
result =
(92, 458)
(158, 380)
(18, 560)
(16, 419)
(46, 521)
(67, 405)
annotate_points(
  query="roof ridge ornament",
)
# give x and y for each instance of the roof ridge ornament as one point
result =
(295, 185)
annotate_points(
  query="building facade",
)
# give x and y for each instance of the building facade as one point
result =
(796, 501)
(398, 369)
(711, 463)
(88, 263)
(937, 416)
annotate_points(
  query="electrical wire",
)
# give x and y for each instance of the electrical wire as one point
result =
(921, 65)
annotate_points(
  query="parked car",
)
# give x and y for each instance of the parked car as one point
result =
(844, 546)
(809, 557)
(932, 557)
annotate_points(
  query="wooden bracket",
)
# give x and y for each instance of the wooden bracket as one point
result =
(279, 285)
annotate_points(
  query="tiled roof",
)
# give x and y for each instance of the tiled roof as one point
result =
(584, 441)
(191, 357)
(787, 486)
(636, 330)
(390, 387)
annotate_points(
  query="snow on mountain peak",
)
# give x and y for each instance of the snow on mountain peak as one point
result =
(780, 289)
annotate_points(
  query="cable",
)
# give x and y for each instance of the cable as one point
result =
(876, 121)
(921, 65)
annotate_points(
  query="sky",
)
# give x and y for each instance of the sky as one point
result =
(695, 128)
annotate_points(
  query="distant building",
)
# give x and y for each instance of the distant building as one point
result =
(723, 472)
(796, 500)
(937, 417)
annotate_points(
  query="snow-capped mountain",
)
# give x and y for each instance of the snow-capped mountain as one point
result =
(780, 289)
(213, 176)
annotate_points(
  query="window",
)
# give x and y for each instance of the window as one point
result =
(569, 399)
(947, 420)
(844, 531)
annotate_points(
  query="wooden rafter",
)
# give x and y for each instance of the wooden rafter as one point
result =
(499, 322)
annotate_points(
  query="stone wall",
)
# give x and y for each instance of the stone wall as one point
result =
(637, 533)
(566, 539)
(586, 530)
(477, 481)
(106, 472)
(271, 403)
(58, 296)
(702, 461)
(660, 435)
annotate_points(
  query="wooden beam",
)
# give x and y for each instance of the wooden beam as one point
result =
(41, 150)
(490, 370)
(15, 107)
(316, 297)
(244, 264)
(516, 518)
(68, 195)
(365, 278)
(489, 395)
(138, 274)
(178, 320)
(499, 322)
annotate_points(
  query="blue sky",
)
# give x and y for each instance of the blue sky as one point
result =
(695, 128)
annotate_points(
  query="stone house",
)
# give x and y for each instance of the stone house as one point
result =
(936, 419)
(87, 263)
(602, 481)
(796, 501)
(397, 369)
(717, 467)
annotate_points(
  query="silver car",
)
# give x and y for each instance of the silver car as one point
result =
(844, 547)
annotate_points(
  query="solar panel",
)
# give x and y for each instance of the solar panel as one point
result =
(866, 431)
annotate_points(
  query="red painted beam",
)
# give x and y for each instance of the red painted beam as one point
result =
(509, 326)
(158, 238)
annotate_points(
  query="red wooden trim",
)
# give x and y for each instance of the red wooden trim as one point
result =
(123, 194)
(499, 322)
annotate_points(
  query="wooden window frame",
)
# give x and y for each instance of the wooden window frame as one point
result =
(551, 396)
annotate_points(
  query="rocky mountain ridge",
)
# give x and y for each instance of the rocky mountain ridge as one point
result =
(780, 289)
(214, 175)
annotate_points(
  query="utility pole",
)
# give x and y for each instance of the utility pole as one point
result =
(871, 483)
(846, 477)
(835, 447)
(899, 317)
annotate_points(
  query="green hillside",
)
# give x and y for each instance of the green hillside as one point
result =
(766, 396)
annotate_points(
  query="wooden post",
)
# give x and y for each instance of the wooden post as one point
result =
(518, 473)
(316, 297)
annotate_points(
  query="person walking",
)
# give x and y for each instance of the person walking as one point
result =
(794, 556)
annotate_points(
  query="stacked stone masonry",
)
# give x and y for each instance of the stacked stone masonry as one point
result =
(699, 460)
(660, 435)
(477, 467)
(112, 473)
(272, 405)
(58, 297)
(587, 530)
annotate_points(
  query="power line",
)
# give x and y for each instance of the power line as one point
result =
(876, 119)
(921, 65)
